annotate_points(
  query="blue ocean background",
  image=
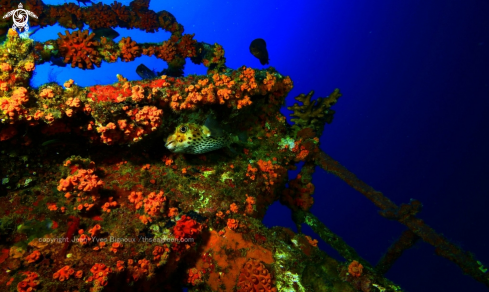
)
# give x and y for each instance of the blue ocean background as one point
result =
(413, 121)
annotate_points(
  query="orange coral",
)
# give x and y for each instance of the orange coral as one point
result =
(254, 276)
(248, 78)
(64, 273)
(218, 59)
(186, 46)
(313, 242)
(108, 205)
(84, 239)
(112, 93)
(30, 283)
(123, 13)
(100, 274)
(33, 257)
(49, 117)
(87, 109)
(148, 20)
(186, 227)
(52, 207)
(79, 49)
(172, 212)
(145, 120)
(116, 246)
(20, 95)
(29, 66)
(160, 254)
(120, 266)
(194, 277)
(129, 49)
(13, 106)
(67, 9)
(95, 230)
(136, 198)
(234, 208)
(153, 203)
(4, 86)
(166, 51)
(100, 16)
(220, 214)
(109, 133)
(302, 155)
(101, 245)
(109, 50)
(244, 102)
(12, 33)
(73, 102)
(232, 224)
(250, 172)
(149, 116)
(250, 201)
(271, 171)
(84, 180)
(220, 246)
(145, 219)
(137, 93)
(143, 267)
(299, 194)
(355, 269)
(68, 83)
(38, 115)
(5, 67)
(269, 81)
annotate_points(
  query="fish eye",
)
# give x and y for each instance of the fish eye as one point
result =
(183, 129)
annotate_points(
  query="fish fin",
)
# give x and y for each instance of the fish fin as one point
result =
(232, 150)
(213, 126)
(242, 137)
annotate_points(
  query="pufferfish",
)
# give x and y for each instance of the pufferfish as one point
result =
(192, 138)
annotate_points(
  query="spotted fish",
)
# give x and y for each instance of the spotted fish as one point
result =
(197, 139)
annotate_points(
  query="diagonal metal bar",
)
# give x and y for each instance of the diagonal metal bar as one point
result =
(405, 214)
(404, 242)
(334, 240)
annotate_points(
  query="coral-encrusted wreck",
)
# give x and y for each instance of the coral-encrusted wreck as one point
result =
(92, 200)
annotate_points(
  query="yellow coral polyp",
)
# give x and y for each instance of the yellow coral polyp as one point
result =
(29, 66)
(12, 33)
(5, 67)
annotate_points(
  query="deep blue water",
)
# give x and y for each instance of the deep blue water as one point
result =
(413, 120)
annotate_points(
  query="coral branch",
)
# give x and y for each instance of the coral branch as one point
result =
(314, 113)
(79, 49)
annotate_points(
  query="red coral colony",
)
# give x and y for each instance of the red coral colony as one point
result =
(82, 211)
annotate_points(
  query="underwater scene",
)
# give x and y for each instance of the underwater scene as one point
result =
(242, 146)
